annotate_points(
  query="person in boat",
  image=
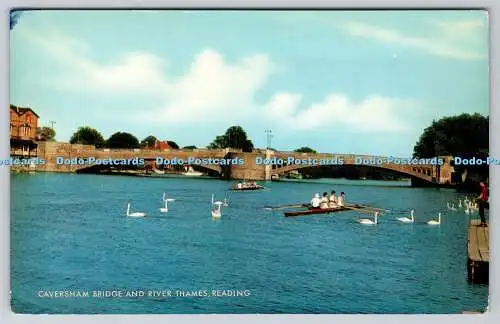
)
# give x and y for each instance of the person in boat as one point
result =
(324, 201)
(332, 202)
(316, 201)
(341, 200)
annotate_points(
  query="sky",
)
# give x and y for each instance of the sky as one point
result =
(360, 82)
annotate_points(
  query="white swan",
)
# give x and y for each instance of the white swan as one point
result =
(226, 203)
(165, 208)
(433, 222)
(451, 206)
(366, 221)
(136, 214)
(460, 203)
(216, 209)
(406, 219)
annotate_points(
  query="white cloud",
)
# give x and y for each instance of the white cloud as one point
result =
(451, 39)
(375, 113)
(212, 88)
(133, 72)
(282, 105)
(140, 72)
(462, 29)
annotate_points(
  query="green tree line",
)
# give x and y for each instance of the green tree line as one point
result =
(465, 135)
(91, 136)
(234, 137)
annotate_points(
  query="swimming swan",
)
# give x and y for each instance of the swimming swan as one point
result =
(433, 222)
(216, 208)
(406, 219)
(136, 214)
(366, 221)
(165, 208)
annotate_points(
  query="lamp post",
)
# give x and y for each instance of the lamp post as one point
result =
(269, 136)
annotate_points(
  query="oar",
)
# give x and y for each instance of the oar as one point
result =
(362, 210)
(367, 207)
(285, 206)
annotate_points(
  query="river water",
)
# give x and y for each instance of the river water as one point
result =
(69, 233)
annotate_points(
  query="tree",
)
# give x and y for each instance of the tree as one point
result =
(235, 137)
(148, 141)
(189, 147)
(88, 136)
(463, 135)
(46, 133)
(305, 149)
(173, 145)
(219, 142)
(122, 140)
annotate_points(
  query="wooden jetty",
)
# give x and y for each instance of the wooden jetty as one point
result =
(478, 252)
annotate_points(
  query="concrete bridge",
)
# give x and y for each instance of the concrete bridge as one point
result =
(257, 165)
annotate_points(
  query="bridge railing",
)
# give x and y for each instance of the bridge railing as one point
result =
(331, 155)
(326, 153)
(139, 150)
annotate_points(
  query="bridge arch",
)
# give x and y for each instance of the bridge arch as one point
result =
(149, 164)
(423, 172)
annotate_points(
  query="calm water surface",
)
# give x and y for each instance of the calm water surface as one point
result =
(69, 232)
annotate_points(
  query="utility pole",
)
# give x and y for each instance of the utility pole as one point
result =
(269, 136)
(51, 122)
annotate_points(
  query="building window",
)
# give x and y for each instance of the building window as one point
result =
(11, 129)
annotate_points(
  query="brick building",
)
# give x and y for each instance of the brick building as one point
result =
(23, 131)
(160, 145)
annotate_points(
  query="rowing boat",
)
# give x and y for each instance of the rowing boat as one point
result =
(314, 211)
(247, 188)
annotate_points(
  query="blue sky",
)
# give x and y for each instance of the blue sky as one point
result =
(364, 82)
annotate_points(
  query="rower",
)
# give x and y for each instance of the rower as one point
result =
(341, 199)
(324, 201)
(316, 201)
(333, 200)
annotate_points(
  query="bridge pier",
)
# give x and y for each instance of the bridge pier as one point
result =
(249, 170)
(268, 169)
